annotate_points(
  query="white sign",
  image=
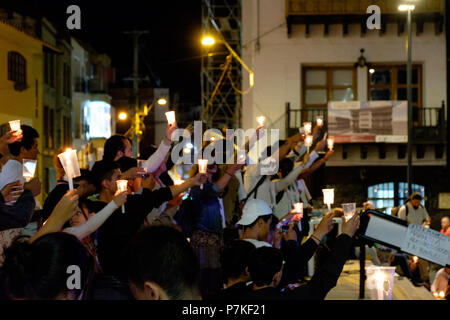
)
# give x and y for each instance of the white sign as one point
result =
(427, 244)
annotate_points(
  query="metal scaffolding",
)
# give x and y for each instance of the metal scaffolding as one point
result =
(221, 76)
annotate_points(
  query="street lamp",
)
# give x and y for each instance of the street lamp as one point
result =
(162, 101)
(409, 8)
(123, 116)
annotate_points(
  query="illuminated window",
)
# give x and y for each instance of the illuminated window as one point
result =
(97, 117)
(387, 195)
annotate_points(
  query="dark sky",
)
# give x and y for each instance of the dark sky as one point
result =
(175, 30)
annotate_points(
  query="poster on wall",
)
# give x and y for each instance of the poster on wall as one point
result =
(368, 122)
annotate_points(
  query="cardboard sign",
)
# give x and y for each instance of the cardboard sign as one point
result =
(427, 244)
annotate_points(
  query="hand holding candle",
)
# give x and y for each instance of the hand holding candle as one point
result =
(69, 162)
(298, 210)
(202, 167)
(122, 186)
(15, 127)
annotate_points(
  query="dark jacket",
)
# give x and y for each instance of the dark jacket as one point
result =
(232, 293)
(206, 202)
(53, 198)
(19, 214)
(321, 283)
(114, 235)
(296, 256)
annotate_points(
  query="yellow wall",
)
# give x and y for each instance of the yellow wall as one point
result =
(24, 105)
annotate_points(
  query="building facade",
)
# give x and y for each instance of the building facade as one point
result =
(309, 54)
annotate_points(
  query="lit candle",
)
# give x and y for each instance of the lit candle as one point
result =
(202, 167)
(29, 168)
(170, 117)
(308, 127)
(69, 162)
(178, 182)
(330, 143)
(436, 295)
(319, 121)
(261, 120)
(442, 294)
(379, 280)
(415, 259)
(328, 197)
(15, 125)
(308, 142)
(122, 186)
(298, 209)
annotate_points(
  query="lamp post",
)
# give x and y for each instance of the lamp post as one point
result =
(409, 8)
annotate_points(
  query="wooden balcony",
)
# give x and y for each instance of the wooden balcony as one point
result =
(347, 12)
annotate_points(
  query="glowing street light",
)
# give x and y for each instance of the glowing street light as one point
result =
(123, 116)
(406, 7)
(162, 102)
(208, 41)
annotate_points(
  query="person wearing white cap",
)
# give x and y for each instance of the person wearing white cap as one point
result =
(256, 220)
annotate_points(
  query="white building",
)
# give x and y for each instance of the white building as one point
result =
(303, 53)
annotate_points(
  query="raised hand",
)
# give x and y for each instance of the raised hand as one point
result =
(291, 234)
(324, 227)
(148, 182)
(67, 206)
(170, 130)
(120, 198)
(349, 227)
(34, 185)
(199, 179)
(8, 191)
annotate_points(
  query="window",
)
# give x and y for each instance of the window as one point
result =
(49, 68)
(385, 196)
(17, 66)
(66, 83)
(324, 84)
(49, 127)
(389, 82)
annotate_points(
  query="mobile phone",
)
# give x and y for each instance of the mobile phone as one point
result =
(285, 229)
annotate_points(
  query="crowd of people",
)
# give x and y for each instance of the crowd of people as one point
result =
(230, 233)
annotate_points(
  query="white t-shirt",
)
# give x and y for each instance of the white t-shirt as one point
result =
(258, 244)
(415, 216)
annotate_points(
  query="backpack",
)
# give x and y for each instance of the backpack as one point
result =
(186, 217)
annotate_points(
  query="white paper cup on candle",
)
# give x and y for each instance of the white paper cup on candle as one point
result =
(380, 282)
(330, 143)
(170, 117)
(14, 125)
(261, 121)
(308, 127)
(319, 121)
(328, 197)
(122, 186)
(202, 167)
(69, 161)
(298, 209)
(349, 210)
(29, 168)
(308, 142)
(142, 166)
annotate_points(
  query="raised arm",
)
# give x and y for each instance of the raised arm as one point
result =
(98, 219)
(155, 160)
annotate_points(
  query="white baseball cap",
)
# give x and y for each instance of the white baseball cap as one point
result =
(253, 210)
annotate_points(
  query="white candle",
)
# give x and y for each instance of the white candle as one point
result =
(330, 143)
(442, 294)
(170, 117)
(122, 186)
(379, 279)
(308, 142)
(202, 167)
(298, 207)
(415, 259)
(69, 162)
(29, 168)
(308, 127)
(14, 125)
(319, 121)
(261, 120)
(328, 197)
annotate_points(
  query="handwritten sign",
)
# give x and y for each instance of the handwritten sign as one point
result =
(427, 244)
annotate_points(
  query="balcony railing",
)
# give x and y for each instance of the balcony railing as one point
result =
(430, 124)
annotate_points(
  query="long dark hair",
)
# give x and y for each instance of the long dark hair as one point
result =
(39, 270)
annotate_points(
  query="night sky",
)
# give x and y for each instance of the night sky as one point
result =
(175, 31)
